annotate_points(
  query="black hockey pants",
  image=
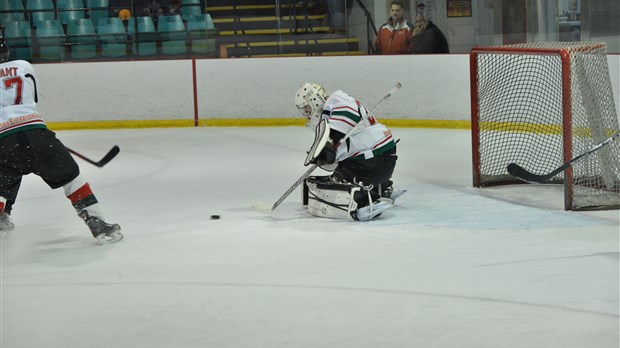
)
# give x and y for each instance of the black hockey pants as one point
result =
(35, 151)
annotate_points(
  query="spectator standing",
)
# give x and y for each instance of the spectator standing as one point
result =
(427, 37)
(395, 36)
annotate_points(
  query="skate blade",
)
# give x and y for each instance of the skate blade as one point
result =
(103, 239)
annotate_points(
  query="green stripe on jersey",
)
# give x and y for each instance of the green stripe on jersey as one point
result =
(22, 129)
(389, 145)
(348, 114)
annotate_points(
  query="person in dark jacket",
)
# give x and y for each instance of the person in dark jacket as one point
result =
(427, 38)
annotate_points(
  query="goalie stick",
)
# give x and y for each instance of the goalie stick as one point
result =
(267, 210)
(525, 175)
(107, 158)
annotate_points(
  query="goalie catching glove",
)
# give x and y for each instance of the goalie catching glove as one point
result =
(322, 152)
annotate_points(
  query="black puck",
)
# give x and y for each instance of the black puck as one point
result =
(215, 217)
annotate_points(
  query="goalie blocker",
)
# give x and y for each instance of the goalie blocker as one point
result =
(350, 201)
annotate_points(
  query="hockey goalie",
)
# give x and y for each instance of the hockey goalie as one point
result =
(359, 150)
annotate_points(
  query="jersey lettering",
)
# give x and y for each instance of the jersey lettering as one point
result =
(10, 71)
(17, 83)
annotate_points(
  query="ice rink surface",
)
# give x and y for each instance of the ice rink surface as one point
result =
(449, 266)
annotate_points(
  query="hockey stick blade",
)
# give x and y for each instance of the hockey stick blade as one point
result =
(107, 158)
(525, 175)
(259, 207)
(264, 209)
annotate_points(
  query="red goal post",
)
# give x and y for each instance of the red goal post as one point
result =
(540, 105)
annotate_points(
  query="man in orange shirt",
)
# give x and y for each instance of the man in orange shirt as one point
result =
(394, 37)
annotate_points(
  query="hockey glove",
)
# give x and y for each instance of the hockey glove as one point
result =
(327, 155)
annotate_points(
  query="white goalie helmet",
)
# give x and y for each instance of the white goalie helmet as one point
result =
(310, 99)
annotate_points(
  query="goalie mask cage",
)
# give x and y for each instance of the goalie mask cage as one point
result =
(539, 105)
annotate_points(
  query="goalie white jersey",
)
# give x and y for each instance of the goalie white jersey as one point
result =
(18, 98)
(372, 138)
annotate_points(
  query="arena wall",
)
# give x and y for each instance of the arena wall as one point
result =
(255, 91)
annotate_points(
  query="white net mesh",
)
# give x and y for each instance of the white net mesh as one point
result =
(520, 117)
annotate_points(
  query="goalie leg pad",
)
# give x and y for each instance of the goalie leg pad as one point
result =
(350, 201)
(329, 199)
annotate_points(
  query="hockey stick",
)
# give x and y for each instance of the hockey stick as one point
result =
(523, 174)
(394, 89)
(301, 179)
(107, 158)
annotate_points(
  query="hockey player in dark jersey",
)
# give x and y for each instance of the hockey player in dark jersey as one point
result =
(353, 144)
(27, 146)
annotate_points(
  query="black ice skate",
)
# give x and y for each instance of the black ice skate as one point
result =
(104, 232)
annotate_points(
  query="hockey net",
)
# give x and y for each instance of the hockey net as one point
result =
(540, 105)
